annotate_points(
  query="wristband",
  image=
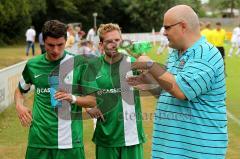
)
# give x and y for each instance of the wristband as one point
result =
(74, 99)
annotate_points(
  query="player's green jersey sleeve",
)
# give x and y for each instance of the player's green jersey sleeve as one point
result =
(25, 81)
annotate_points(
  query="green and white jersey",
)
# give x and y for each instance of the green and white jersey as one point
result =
(59, 127)
(120, 105)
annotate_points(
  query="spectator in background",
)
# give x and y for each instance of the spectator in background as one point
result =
(41, 43)
(77, 37)
(87, 49)
(91, 33)
(70, 37)
(235, 41)
(30, 38)
(69, 28)
(219, 36)
(84, 48)
(207, 32)
(79, 33)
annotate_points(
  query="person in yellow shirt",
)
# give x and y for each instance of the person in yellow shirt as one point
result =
(70, 37)
(207, 32)
(219, 35)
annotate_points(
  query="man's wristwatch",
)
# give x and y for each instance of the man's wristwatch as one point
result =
(149, 64)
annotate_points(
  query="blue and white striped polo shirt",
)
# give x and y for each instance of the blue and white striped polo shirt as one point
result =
(195, 128)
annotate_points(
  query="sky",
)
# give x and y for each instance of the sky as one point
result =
(204, 1)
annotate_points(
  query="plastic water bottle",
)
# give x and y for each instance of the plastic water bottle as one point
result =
(138, 47)
(53, 82)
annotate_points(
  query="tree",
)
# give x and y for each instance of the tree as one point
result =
(38, 12)
(223, 4)
(15, 16)
(132, 16)
(145, 15)
(87, 8)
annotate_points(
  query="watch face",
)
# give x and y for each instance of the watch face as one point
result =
(149, 64)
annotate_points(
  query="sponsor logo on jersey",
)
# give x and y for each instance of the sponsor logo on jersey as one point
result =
(113, 90)
(109, 91)
(43, 90)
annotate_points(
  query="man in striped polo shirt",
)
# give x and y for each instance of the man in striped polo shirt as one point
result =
(55, 132)
(190, 119)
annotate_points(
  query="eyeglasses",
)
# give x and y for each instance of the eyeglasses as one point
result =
(168, 27)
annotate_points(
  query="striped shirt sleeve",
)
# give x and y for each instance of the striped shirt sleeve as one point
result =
(196, 78)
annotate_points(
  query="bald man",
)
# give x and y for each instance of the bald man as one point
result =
(190, 119)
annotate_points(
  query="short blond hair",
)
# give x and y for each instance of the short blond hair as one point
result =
(104, 28)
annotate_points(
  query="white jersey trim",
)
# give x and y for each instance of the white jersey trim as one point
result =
(64, 112)
(128, 104)
(24, 85)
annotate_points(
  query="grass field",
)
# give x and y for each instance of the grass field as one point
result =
(13, 137)
(14, 54)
